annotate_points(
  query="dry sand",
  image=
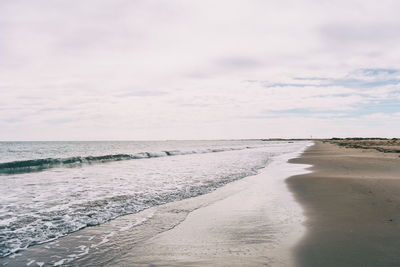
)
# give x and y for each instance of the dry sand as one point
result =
(352, 205)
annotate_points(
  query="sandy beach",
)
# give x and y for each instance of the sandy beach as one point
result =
(199, 133)
(331, 206)
(352, 205)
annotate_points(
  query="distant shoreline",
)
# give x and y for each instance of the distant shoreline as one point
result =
(386, 145)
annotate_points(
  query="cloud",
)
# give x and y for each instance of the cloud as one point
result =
(238, 63)
(361, 78)
(141, 93)
(102, 69)
(359, 33)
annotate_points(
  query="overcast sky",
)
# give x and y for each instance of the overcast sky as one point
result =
(114, 69)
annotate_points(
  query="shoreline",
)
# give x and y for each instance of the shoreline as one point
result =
(352, 204)
(253, 221)
(256, 223)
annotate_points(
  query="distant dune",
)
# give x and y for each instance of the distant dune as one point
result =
(379, 144)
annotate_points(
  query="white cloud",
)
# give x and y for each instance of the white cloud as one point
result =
(181, 69)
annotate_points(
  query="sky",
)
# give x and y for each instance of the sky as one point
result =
(199, 69)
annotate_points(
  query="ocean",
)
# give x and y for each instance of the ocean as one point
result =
(52, 189)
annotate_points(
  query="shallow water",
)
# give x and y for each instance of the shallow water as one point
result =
(41, 204)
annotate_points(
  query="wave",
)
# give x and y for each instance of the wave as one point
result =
(36, 165)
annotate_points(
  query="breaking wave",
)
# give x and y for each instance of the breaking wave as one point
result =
(35, 165)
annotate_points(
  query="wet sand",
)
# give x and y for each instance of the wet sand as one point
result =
(352, 204)
(256, 223)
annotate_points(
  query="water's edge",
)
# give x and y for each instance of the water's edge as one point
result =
(111, 239)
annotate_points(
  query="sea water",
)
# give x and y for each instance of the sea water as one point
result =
(51, 189)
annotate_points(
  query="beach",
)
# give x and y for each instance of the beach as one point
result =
(199, 133)
(327, 206)
(352, 204)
